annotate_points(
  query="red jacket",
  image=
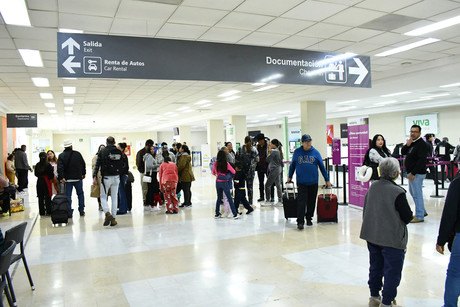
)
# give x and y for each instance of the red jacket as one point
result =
(168, 172)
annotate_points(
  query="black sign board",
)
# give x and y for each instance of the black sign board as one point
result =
(109, 56)
(343, 131)
(21, 120)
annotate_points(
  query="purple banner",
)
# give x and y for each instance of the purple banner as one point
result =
(358, 143)
(336, 152)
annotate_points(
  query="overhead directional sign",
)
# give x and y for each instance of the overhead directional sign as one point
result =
(107, 56)
(28, 120)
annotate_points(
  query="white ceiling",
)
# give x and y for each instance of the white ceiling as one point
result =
(340, 26)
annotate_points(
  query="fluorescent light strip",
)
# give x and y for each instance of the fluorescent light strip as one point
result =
(435, 26)
(231, 98)
(188, 111)
(41, 82)
(202, 101)
(50, 105)
(206, 105)
(417, 100)
(69, 89)
(46, 95)
(229, 93)
(63, 30)
(52, 111)
(384, 103)
(434, 96)
(395, 94)
(451, 85)
(14, 12)
(266, 88)
(69, 101)
(347, 101)
(183, 108)
(408, 47)
(31, 57)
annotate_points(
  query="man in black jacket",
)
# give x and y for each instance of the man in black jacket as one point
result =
(449, 230)
(141, 166)
(415, 151)
(22, 166)
(72, 171)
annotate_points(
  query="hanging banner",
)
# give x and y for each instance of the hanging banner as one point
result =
(330, 133)
(428, 123)
(28, 120)
(358, 143)
(110, 56)
(336, 152)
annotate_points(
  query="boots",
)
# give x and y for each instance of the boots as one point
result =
(108, 219)
(113, 222)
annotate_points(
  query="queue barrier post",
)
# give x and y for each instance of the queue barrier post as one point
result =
(344, 203)
(436, 182)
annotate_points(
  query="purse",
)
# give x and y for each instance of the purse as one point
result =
(147, 178)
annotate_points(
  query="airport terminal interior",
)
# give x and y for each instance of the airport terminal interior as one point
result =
(205, 72)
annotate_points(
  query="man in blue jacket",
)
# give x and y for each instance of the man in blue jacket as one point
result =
(305, 162)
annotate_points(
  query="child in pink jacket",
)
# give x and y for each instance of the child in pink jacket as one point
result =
(168, 181)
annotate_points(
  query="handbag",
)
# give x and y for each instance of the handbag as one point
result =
(147, 178)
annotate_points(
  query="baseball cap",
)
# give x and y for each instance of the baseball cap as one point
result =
(306, 138)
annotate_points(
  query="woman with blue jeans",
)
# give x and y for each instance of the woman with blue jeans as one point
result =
(224, 172)
(449, 231)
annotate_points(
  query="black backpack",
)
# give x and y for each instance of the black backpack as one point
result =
(245, 159)
(112, 161)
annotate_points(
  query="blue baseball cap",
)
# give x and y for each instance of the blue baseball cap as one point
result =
(306, 138)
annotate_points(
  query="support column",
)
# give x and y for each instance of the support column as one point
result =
(3, 144)
(241, 130)
(185, 135)
(216, 135)
(313, 122)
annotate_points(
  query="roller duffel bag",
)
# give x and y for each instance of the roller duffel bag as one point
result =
(60, 207)
(326, 210)
(290, 201)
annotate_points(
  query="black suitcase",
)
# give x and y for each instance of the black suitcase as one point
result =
(60, 208)
(290, 201)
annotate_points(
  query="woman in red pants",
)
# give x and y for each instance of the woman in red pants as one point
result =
(168, 181)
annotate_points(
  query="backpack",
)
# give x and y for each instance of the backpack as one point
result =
(244, 158)
(112, 162)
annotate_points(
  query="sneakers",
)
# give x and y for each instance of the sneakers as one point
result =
(266, 204)
(108, 219)
(416, 220)
(375, 301)
(279, 204)
(218, 216)
(113, 222)
(235, 217)
(393, 304)
(299, 226)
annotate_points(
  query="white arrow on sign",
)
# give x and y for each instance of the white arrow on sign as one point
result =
(69, 65)
(70, 43)
(361, 70)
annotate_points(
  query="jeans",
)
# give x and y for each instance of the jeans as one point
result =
(122, 200)
(81, 197)
(23, 179)
(452, 290)
(224, 187)
(110, 183)
(415, 189)
(387, 263)
(306, 198)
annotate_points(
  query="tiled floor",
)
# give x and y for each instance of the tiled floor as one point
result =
(190, 259)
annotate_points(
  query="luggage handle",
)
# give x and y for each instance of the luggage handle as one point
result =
(291, 184)
(324, 187)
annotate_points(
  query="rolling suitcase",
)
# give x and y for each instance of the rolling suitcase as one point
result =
(290, 201)
(60, 207)
(326, 210)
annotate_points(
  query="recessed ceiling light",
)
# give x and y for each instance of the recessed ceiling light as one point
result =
(63, 30)
(255, 121)
(31, 57)
(271, 118)
(266, 88)
(14, 12)
(41, 82)
(435, 26)
(169, 113)
(417, 100)
(52, 111)
(231, 98)
(202, 101)
(384, 103)
(69, 101)
(68, 108)
(347, 101)
(188, 111)
(183, 108)
(395, 94)
(451, 85)
(46, 95)
(69, 89)
(50, 105)
(408, 47)
(206, 105)
(229, 93)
